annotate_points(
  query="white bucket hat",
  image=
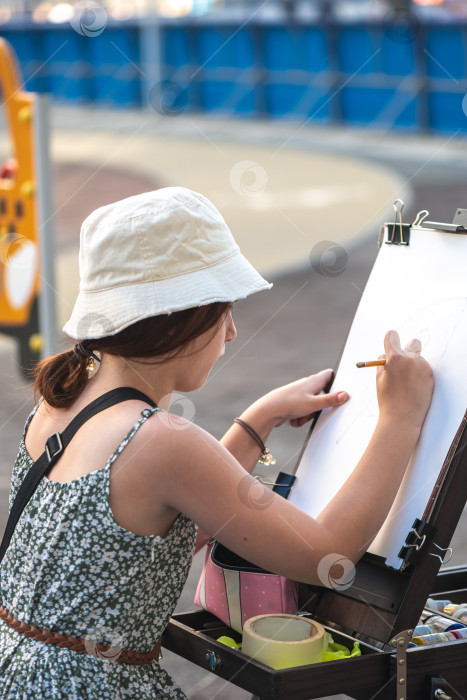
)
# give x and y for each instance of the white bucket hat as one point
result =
(152, 254)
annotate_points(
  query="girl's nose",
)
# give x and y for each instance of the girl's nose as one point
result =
(230, 330)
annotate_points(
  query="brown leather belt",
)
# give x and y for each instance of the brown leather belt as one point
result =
(91, 647)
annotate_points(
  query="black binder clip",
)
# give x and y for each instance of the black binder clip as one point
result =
(416, 542)
(284, 483)
(398, 233)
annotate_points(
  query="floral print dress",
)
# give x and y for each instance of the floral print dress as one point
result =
(72, 569)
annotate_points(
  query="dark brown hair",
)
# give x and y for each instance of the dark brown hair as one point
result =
(60, 379)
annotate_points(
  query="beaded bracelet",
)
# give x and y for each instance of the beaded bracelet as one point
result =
(265, 456)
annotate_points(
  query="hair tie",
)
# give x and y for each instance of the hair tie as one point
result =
(82, 353)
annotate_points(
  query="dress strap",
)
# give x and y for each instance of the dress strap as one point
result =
(30, 417)
(145, 414)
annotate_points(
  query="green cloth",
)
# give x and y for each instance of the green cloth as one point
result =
(229, 642)
(336, 651)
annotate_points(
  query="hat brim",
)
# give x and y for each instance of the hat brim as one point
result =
(97, 314)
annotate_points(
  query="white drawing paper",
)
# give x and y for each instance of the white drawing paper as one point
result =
(419, 290)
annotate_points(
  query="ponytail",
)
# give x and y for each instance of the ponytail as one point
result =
(60, 379)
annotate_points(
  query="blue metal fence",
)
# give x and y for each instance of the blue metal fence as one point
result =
(359, 74)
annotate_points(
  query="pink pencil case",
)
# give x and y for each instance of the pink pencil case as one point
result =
(235, 590)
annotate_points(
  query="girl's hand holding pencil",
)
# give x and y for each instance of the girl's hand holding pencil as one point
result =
(404, 382)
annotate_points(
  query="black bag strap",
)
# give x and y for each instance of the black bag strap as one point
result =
(54, 447)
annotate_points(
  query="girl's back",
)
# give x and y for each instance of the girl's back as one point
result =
(73, 569)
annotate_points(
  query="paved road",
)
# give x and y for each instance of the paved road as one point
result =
(296, 328)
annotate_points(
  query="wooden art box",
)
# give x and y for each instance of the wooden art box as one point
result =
(372, 676)
(386, 670)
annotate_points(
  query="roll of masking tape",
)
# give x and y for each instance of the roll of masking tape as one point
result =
(283, 641)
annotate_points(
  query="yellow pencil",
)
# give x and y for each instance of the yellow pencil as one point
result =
(373, 363)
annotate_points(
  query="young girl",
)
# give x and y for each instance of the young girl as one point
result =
(104, 545)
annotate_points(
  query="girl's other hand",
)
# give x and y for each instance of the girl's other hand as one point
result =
(298, 401)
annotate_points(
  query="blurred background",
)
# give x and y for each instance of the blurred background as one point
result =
(302, 120)
(389, 63)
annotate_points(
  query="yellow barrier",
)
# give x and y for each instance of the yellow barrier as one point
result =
(19, 246)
